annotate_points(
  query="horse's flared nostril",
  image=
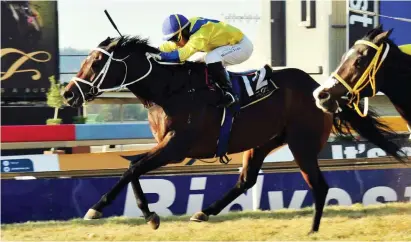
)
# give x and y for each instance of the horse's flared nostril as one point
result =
(68, 95)
(324, 95)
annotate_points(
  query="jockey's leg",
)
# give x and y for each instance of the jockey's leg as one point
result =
(220, 75)
(228, 55)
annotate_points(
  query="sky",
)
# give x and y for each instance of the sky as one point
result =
(83, 24)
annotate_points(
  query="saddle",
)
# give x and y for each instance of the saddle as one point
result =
(251, 87)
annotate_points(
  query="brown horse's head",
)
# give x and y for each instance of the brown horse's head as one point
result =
(94, 70)
(355, 78)
(113, 65)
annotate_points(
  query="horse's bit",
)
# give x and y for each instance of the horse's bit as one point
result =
(95, 89)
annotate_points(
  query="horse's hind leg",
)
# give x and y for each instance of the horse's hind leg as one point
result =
(305, 144)
(252, 162)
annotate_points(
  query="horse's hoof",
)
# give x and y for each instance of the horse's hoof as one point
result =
(93, 214)
(312, 232)
(199, 217)
(154, 221)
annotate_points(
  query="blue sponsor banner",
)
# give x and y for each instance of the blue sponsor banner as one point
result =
(16, 165)
(402, 9)
(66, 198)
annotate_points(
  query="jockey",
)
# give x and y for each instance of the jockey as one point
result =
(223, 44)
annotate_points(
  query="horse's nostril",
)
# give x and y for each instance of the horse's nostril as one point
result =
(68, 95)
(324, 95)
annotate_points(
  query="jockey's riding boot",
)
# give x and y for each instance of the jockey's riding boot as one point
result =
(221, 76)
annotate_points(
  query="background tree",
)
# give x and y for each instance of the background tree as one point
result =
(54, 99)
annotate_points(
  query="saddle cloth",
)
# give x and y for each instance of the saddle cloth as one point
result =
(250, 87)
(406, 48)
(254, 85)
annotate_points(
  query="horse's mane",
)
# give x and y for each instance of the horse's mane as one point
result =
(370, 128)
(378, 30)
(403, 59)
(137, 44)
(129, 43)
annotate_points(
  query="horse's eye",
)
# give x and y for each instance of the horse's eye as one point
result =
(96, 64)
(359, 62)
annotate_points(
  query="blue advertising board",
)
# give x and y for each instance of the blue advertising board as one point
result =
(16, 165)
(66, 198)
(402, 29)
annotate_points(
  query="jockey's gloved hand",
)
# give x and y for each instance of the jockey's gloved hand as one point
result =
(156, 56)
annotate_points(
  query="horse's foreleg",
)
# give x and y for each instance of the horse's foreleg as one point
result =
(138, 191)
(151, 218)
(172, 147)
(95, 211)
(141, 200)
(252, 162)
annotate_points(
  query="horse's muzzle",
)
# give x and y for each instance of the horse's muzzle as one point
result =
(324, 101)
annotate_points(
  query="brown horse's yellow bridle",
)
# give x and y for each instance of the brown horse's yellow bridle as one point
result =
(367, 78)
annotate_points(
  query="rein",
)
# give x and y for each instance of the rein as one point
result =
(367, 78)
(95, 89)
(100, 78)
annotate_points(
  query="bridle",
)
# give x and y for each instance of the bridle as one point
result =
(95, 89)
(367, 78)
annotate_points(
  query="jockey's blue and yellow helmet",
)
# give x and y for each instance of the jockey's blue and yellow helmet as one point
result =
(173, 25)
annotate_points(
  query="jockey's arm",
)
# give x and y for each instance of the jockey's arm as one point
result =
(168, 46)
(183, 53)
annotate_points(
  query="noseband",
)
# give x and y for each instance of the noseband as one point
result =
(97, 82)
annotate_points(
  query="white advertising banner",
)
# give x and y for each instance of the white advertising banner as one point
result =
(30, 163)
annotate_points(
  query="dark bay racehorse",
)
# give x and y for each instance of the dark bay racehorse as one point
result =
(184, 120)
(374, 63)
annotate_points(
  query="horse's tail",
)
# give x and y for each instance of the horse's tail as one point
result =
(371, 129)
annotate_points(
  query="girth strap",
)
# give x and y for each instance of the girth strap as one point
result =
(224, 159)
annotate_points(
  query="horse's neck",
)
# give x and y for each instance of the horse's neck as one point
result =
(178, 77)
(166, 78)
(399, 67)
(145, 91)
(397, 83)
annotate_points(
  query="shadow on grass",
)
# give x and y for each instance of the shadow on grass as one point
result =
(353, 212)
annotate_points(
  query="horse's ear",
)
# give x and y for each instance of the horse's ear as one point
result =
(383, 36)
(105, 42)
(373, 32)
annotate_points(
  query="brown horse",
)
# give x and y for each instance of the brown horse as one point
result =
(186, 122)
(374, 63)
